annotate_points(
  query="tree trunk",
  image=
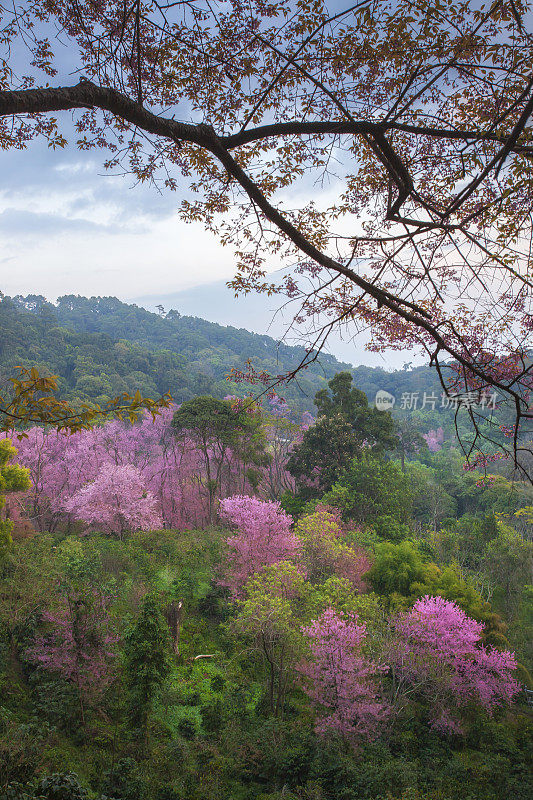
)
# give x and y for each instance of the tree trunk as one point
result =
(174, 614)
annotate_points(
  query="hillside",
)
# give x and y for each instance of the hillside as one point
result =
(101, 346)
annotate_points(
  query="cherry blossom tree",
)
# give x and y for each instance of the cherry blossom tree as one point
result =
(341, 680)
(263, 537)
(437, 654)
(434, 439)
(60, 465)
(78, 643)
(117, 500)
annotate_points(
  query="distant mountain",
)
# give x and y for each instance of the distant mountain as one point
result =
(262, 314)
(100, 346)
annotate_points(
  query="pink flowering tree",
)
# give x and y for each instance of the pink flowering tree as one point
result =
(172, 469)
(59, 465)
(117, 500)
(434, 439)
(78, 643)
(341, 680)
(438, 656)
(263, 537)
(175, 469)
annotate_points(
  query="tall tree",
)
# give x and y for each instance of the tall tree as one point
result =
(426, 239)
(345, 426)
(371, 427)
(326, 450)
(147, 661)
(220, 430)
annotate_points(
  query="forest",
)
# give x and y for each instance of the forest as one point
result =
(242, 600)
(231, 569)
(101, 346)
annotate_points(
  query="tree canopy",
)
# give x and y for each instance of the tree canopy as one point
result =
(346, 426)
(415, 116)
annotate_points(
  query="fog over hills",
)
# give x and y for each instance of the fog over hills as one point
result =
(261, 314)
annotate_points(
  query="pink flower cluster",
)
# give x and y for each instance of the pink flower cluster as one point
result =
(341, 679)
(119, 477)
(434, 439)
(439, 652)
(263, 537)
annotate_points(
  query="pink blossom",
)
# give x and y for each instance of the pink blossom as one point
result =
(263, 537)
(117, 500)
(78, 643)
(439, 653)
(434, 439)
(341, 679)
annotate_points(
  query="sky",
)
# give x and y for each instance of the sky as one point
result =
(68, 227)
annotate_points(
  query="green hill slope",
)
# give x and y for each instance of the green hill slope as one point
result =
(101, 346)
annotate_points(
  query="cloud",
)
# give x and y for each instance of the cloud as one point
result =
(14, 222)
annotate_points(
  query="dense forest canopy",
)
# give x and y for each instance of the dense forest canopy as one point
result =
(109, 345)
(414, 115)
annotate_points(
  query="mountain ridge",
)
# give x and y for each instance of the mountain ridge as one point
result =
(102, 345)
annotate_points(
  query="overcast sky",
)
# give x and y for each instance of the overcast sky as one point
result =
(68, 227)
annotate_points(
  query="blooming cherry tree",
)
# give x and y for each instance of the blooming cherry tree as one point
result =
(438, 654)
(341, 679)
(263, 537)
(434, 439)
(78, 643)
(117, 500)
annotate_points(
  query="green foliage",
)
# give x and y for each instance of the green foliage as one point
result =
(146, 659)
(325, 451)
(371, 487)
(396, 568)
(13, 478)
(370, 427)
(509, 560)
(208, 420)
(123, 781)
(390, 529)
(346, 424)
(100, 347)
(431, 502)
